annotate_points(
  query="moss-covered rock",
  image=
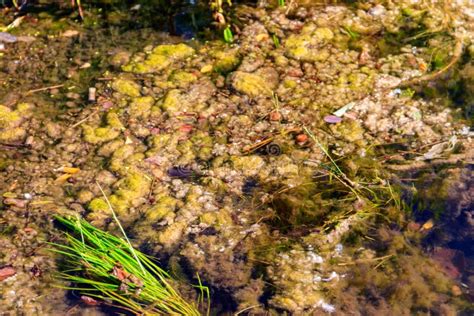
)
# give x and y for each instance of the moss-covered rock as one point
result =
(163, 206)
(161, 57)
(8, 117)
(172, 235)
(11, 121)
(258, 84)
(309, 44)
(248, 165)
(127, 87)
(226, 60)
(141, 107)
(182, 79)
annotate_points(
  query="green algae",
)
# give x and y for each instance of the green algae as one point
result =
(172, 103)
(129, 192)
(226, 60)
(248, 165)
(127, 87)
(141, 107)
(309, 44)
(8, 117)
(250, 84)
(97, 135)
(218, 220)
(11, 120)
(164, 206)
(182, 79)
(118, 157)
(161, 57)
(202, 144)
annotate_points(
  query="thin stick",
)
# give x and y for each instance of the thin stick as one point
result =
(431, 76)
(45, 88)
(246, 309)
(85, 119)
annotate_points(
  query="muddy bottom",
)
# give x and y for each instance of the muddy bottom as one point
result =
(319, 164)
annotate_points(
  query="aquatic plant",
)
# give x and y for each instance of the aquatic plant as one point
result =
(105, 267)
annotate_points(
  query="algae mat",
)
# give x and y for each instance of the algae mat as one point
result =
(277, 168)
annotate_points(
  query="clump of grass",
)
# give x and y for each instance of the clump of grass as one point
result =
(107, 268)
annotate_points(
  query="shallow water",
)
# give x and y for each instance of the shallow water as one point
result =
(292, 170)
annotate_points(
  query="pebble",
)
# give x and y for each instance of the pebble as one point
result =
(301, 138)
(7, 37)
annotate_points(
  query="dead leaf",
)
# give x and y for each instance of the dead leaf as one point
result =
(428, 225)
(6, 272)
(89, 301)
(71, 170)
(63, 178)
(70, 33)
(120, 273)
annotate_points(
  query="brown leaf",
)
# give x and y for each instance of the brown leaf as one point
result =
(120, 273)
(89, 301)
(6, 272)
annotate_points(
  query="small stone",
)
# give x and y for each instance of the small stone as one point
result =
(301, 138)
(275, 116)
(456, 290)
(15, 202)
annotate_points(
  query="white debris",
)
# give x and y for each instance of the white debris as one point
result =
(315, 258)
(331, 277)
(328, 308)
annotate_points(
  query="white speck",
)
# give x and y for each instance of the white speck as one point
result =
(395, 92)
(316, 279)
(333, 276)
(377, 10)
(28, 196)
(315, 258)
(328, 308)
(339, 248)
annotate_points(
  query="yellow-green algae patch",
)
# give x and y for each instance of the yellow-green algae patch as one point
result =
(309, 44)
(250, 84)
(163, 206)
(248, 165)
(174, 102)
(97, 135)
(126, 87)
(226, 60)
(129, 193)
(182, 79)
(161, 57)
(141, 107)
(10, 121)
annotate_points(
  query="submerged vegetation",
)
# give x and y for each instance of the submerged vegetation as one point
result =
(296, 157)
(106, 270)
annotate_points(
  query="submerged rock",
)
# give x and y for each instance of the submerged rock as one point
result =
(257, 84)
(161, 57)
(310, 44)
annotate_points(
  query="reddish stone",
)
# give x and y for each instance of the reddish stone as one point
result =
(301, 138)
